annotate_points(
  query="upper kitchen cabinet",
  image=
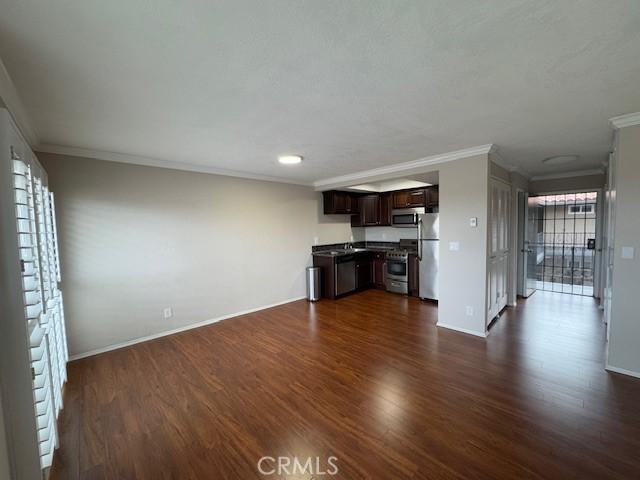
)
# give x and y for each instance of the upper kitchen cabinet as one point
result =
(386, 205)
(369, 206)
(337, 202)
(375, 210)
(432, 196)
(409, 198)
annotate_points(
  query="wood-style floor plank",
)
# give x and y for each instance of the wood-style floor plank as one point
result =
(368, 379)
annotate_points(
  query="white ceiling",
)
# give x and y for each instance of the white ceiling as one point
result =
(349, 85)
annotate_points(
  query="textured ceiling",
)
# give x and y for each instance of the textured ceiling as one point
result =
(349, 85)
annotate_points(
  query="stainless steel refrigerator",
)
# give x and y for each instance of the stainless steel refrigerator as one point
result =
(429, 254)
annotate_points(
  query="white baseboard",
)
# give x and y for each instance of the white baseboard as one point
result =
(623, 371)
(165, 333)
(463, 330)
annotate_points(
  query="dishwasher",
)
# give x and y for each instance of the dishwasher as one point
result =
(345, 274)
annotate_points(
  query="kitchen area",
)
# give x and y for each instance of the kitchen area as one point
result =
(397, 226)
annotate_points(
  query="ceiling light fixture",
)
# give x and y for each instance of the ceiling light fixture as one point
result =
(560, 159)
(289, 159)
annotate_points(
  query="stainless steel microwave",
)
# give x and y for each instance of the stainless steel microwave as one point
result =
(406, 217)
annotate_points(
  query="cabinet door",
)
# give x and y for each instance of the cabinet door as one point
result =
(369, 210)
(351, 203)
(363, 272)
(416, 198)
(400, 199)
(432, 195)
(386, 205)
(337, 202)
(378, 270)
(414, 276)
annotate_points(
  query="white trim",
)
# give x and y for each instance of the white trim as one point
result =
(623, 371)
(579, 173)
(498, 160)
(12, 101)
(191, 326)
(463, 330)
(627, 120)
(157, 162)
(414, 166)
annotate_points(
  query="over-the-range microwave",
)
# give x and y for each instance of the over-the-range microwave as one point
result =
(406, 217)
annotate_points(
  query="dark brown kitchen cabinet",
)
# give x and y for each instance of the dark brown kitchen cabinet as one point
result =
(363, 271)
(337, 202)
(409, 198)
(375, 210)
(414, 275)
(378, 270)
(432, 196)
(369, 206)
(386, 205)
(370, 210)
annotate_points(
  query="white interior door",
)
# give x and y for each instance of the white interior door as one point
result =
(499, 247)
(609, 238)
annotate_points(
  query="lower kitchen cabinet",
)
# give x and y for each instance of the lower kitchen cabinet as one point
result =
(363, 271)
(378, 270)
(414, 275)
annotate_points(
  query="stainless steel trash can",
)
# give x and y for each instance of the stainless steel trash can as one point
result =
(313, 284)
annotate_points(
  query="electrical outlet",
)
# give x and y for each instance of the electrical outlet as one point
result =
(469, 311)
(473, 222)
(167, 312)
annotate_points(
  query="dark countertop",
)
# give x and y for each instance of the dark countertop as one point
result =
(356, 250)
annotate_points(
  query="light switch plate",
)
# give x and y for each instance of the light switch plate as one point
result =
(454, 246)
(627, 253)
(473, 222)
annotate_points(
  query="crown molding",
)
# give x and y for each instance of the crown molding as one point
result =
(579, 173)
(12, 102)
(405, 168)
(159, 163)
(500, 161)
(627, 120)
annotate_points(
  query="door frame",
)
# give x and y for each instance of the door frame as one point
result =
(518, 233)
(597, 271)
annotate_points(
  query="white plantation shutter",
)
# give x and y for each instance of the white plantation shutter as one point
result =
(44, 314)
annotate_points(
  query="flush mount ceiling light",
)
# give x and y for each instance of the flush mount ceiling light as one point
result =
(560, 159)
(289, 159)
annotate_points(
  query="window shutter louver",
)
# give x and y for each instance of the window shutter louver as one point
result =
(44, 312)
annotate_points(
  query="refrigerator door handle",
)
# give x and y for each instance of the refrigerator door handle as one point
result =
(419, 239)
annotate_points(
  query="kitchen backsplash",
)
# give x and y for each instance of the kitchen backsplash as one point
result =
(386, 234)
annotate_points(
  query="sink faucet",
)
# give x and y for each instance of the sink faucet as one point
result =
(347, 246)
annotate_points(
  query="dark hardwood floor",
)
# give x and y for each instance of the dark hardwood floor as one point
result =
(368, 379)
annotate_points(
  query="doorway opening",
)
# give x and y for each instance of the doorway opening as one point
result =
(560, 243)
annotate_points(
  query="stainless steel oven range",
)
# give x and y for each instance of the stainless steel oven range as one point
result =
(396, 274)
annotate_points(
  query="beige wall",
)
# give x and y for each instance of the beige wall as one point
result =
(4, 454)
(562, 185)
(136, 239)
(624, 352)
(463, 273)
